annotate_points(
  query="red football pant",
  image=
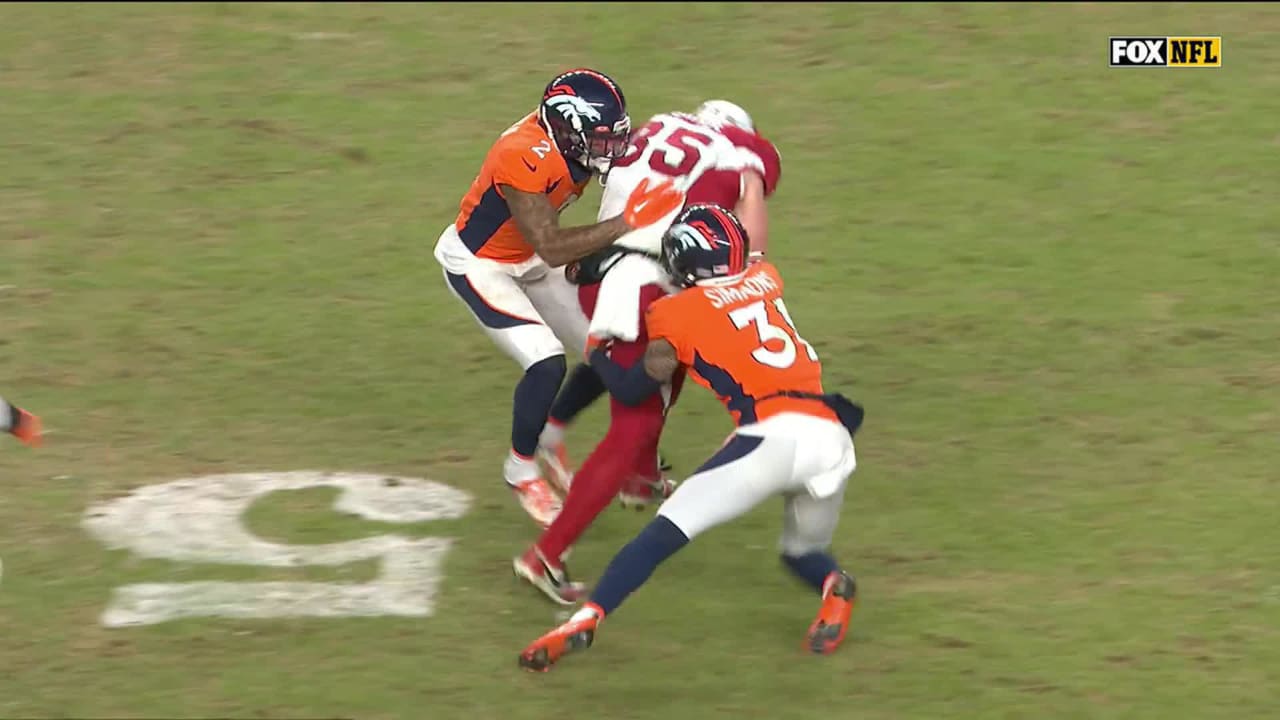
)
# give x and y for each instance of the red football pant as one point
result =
(628, 451)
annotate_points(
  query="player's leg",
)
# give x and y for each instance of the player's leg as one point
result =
(594, 486)
(648, 482)
(808, 526)
(629, 442)
(584, 386)
(20, 423)
(744, 472)
(558, 300)
(631, 439)
(502, 309)
(807, 529)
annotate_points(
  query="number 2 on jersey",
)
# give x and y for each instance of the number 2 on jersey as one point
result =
(757, 314)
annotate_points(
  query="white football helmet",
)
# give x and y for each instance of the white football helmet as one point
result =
(723, 112)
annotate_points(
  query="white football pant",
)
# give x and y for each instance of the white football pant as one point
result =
(804, 459)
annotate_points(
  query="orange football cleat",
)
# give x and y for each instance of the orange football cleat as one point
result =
(839, 593)
(29, 429)
(555, 459)
(572, 636)
(539, 500)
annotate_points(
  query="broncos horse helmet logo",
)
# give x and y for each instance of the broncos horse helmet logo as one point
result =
(575, 109)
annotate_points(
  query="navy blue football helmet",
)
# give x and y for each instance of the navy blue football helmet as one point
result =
(704, 242)
(585, 113)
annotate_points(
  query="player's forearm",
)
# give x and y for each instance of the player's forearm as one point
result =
(753, 213)
(630, 386)
(561, 246)
(756, 222)
(539, 222)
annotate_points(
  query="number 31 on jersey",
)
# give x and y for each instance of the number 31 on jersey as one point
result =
(757, 314)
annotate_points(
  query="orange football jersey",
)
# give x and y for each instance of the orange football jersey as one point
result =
(524, 158)
(737, 340)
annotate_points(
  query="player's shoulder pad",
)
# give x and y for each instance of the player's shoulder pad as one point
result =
(771, 270)
(520, 164)
(663, 307)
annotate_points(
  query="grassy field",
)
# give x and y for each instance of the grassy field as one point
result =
(1055, 286)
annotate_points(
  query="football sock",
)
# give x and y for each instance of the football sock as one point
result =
(552, 432)
(581, 389)
(813, 568)
(633, 564)
(533, 397)
(8, 416)
(520, 468)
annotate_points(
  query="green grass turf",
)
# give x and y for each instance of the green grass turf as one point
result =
(1055, 286)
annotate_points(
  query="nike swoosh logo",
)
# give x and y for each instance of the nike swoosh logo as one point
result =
(528, 165)
(640, 205)
(550, 575)
(553, 185)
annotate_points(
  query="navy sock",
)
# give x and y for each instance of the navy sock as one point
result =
(582, 388)
(533, 397)
(633, 564)
(813, 568)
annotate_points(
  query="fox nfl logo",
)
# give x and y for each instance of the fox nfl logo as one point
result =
(1180, 52)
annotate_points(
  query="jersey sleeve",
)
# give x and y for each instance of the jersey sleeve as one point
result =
(661, 322)
(772, 159)
(518, 166)
(758, 154)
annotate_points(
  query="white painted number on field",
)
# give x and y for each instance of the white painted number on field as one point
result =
(197, 520)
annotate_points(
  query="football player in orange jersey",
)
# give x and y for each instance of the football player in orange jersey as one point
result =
(730, 330)
(504, 255)
(20, 424)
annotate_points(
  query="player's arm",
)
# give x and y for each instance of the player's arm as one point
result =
(752, 212)
(634, 385)
(758, 181)
(539, 222)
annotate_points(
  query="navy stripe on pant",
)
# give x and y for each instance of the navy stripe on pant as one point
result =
(488, 315)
